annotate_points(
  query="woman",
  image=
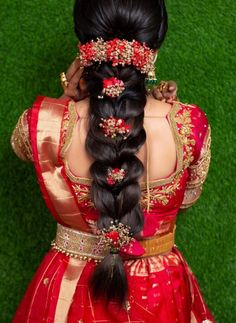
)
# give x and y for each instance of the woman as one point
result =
(115, 168)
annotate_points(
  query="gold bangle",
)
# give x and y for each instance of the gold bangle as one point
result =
(64, 81)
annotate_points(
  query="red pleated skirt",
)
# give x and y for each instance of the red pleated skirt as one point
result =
(162, 289)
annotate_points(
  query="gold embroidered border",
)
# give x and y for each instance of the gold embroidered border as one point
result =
(179, 150)
(198, 173)
(76, 179)
(185, 133)
(163, 194)
(146, 266)
(68, 126)
(158, 193)
(82, 193)
(20, 139)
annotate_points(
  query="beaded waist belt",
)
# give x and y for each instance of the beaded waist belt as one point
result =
(86, 246)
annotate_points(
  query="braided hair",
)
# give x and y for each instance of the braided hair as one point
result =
(146, 22)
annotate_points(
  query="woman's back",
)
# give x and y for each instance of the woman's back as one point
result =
(63, 276)
(160, 148)
(114, 171)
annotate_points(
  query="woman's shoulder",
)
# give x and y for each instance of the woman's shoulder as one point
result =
(48, 109)
(46, 101)
(194, 124)
(158, 108)
(196, 112)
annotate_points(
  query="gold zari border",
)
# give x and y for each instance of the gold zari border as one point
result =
(198, 173)
(68, 126)
(20, 139)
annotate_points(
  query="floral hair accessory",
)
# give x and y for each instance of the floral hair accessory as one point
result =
(119, 52)
(116, 237)
(113, 87)
(115, 175)
(113, 126)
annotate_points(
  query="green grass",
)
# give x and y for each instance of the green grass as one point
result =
(37, 43)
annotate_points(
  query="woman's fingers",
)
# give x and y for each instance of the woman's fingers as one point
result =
(157, 94)
(74, 80)
(73, 68)
(165, 91)
(172, 85)
(73, 76)
(72, 94)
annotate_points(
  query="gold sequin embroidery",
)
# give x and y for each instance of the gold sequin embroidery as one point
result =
(198, 173)
(161, 190)
(185, 132)
(68, 123)
(83, 194)
(20, 139)
(161, 194)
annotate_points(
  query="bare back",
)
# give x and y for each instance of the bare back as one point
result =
(159, 148)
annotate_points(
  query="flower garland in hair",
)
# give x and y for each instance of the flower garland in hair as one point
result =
(119, 52)
(113, 126)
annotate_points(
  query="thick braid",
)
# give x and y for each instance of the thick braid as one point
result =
(144, 21)
(121, 200)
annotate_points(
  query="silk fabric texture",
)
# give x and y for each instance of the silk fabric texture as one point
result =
(162, 288)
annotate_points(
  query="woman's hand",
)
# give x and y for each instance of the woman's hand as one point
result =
(165, 91)
(74, 89)
(71, 85)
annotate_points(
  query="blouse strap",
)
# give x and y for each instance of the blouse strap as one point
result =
(147, 171)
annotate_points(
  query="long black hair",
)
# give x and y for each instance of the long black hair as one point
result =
(146, 22)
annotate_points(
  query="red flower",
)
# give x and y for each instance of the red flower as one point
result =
(113, 87)
(113, 126)
(114, 236)
(115, 175)
(110, 181)
(118, 51)
(110, 82)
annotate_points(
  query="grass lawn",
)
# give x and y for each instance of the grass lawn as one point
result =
(37, 43)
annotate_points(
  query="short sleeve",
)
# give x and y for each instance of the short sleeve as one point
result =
(20, 141)
(199, 167)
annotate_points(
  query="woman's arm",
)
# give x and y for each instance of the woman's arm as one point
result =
(20, 138)
(198, 170)
(75, 87)
(75, 90)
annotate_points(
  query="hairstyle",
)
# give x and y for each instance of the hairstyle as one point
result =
(146, 22)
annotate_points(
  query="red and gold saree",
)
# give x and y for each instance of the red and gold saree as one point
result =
(162, 287)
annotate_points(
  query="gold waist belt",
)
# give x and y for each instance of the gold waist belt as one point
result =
(86, 246)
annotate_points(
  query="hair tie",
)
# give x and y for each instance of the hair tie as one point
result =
(116, 236)
(113, 87)
(114, 126)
